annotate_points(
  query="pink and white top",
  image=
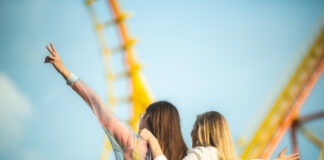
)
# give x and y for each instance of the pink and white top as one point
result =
(125, 142)
(198, 153)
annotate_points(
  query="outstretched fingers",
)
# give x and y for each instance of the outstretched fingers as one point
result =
(53, 48)
(294, 156)
(284, 150)
(282, 153)
(50, 50)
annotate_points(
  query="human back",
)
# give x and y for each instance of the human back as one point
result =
(211, 130)
(202, 153)
(211, 140)
(164, 122)
(125, 142)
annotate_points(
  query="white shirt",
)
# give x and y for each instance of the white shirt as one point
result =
(198, 153)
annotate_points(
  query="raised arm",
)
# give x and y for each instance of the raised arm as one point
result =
(156, 150)
(55, 59)
(120, 132)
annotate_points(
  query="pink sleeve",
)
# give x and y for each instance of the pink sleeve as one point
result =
(122, 133)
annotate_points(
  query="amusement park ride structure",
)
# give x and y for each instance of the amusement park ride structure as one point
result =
(281, 116)
(286, 107)
(139, 97)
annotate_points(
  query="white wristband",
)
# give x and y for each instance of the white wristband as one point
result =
(71, 79)
(161, 157)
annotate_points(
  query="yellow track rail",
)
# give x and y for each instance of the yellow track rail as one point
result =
(139, 96)
(274, 125)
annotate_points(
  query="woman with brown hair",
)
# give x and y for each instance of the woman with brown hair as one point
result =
(126, 143)
(211, 140)
(162, 119)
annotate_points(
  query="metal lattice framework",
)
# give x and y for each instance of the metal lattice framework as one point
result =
(139, 97)
(298, 125)
(285, 109)
(270, 132)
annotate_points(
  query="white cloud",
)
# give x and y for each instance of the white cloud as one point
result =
(15, 110)
(31, 155)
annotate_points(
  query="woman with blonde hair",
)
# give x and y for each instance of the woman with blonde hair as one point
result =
(211, 140)
(211, 129)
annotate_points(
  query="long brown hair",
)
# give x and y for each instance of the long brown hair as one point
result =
(213, 130)
(164, 123)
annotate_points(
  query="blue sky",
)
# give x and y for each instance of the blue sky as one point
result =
(229, 56)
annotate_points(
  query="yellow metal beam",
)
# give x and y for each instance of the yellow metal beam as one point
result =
(270, 125)
(139, 97)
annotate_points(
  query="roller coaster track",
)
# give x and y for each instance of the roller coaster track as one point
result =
(139, 97)
(298, 125)
(286, 107)
(272, 128)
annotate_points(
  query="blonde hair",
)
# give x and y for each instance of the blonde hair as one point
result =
(213, 130)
